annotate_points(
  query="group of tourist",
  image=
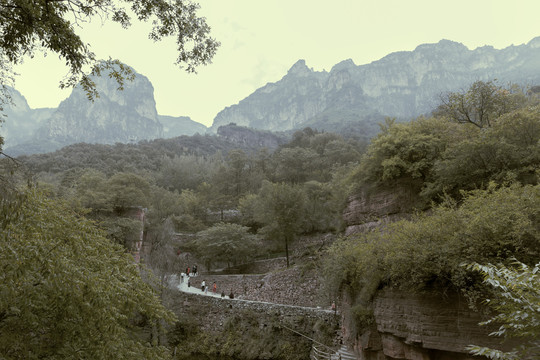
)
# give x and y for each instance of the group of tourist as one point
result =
(191, 272)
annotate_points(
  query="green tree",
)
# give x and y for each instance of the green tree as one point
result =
(225, 242)
(281, 209)
(127, 190)
(193, 212)
(92, 191)
(294, 165)
(406, 150)
(506, 151)
(68, 292)
(481, 104)
(517, 302)
(43, 25)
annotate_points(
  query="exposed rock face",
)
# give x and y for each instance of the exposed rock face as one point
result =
(412, 326)
(402, 84)
(280, 106)
(116, 116)
(372, 208)
(422, 327)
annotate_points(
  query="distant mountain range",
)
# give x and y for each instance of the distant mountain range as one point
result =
(116, 116)
(350, 99)
(403, 84)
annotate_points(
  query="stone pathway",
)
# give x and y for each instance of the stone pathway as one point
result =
(195, 288)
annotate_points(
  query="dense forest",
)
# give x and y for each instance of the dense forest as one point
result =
(473, 167)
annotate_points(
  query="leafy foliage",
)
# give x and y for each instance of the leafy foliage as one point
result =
(55, 302)
(481, 104)
(426, 252)
(41, 25)
(517, 302)
(280, 209)
(224, 242)
(446, 157)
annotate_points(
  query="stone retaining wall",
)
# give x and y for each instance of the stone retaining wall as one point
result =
(292, 286)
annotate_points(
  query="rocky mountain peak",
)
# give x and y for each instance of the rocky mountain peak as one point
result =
(442, 44)
(343, 65)
(534, 43)
(403, 84)
(18, 103)
(299, 68)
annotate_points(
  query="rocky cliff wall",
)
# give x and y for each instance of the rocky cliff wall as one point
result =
(372, 208)
(425, 326)
(413, 326)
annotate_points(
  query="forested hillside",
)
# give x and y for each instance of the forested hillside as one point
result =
(475, 166)
(472, 167)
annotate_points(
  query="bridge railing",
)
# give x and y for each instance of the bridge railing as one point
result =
(320, 353)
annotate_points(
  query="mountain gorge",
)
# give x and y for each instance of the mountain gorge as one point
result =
(403, 84)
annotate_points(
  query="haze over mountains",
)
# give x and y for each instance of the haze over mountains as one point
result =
(402, 84)
(116, 116)
(349, 99)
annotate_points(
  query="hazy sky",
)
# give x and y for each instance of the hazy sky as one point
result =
(261, 40)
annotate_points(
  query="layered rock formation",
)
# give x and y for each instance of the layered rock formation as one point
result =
(408, 325)
(371, 208)
(422, 327)
(402, 84)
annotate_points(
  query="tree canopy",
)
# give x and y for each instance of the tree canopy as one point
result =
(45, 25)
(68, 292)
(229, 243)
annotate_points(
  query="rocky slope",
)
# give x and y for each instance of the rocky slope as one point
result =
(402, 84)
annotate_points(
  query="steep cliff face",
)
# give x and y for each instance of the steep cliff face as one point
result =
(421, 327)
(20, 122)
(280, 106)
(371, 208)
(116, 116)
(402, 84)
(431, 325)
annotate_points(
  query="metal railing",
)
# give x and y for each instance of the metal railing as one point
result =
(317, 352)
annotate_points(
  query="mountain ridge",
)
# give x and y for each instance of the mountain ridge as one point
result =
(402, 84)
(115, 116)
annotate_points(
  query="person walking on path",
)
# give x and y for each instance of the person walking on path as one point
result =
(203, 285)
(214, 288)
(187, 271)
